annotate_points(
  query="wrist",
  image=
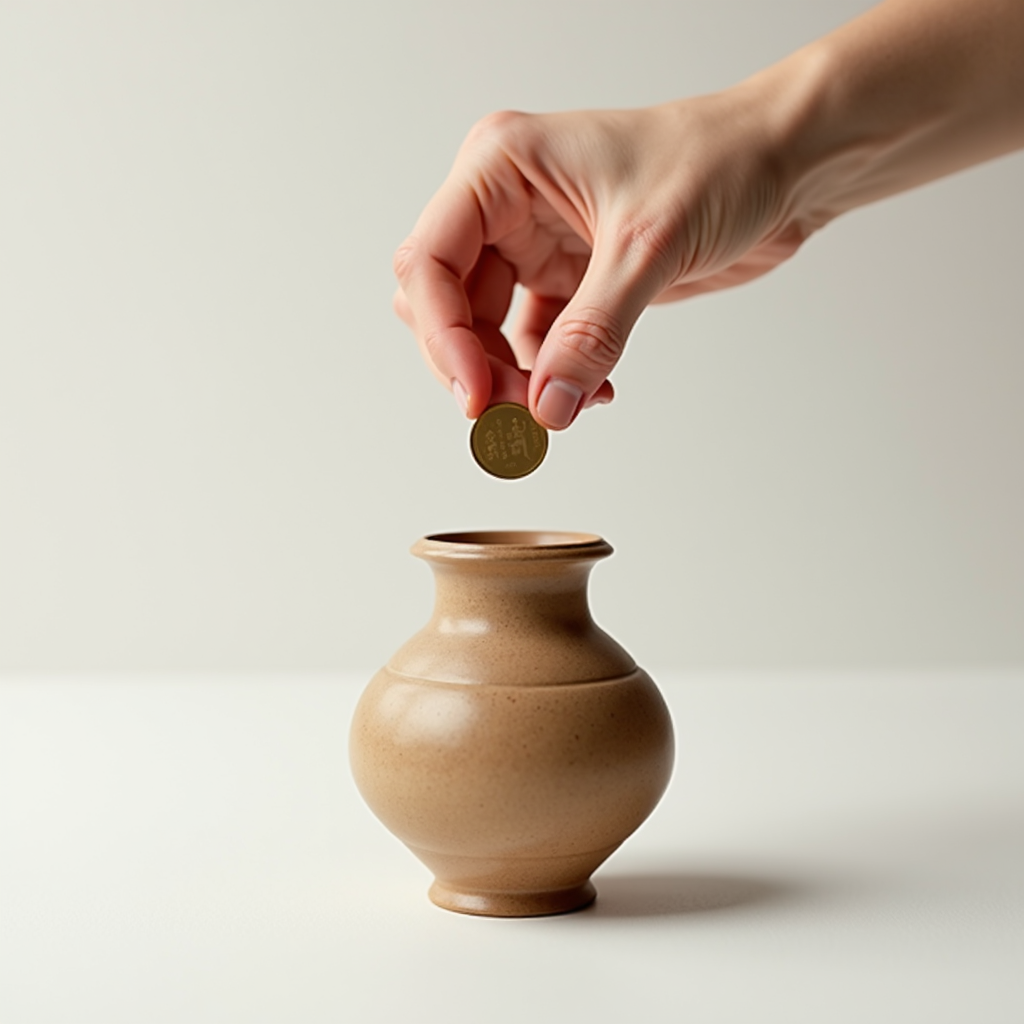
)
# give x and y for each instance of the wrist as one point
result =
(811, 150)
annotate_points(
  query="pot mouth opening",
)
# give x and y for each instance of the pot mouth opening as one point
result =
(516, 538)
(512, 544)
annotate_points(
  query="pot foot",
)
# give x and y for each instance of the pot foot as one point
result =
(513, 904)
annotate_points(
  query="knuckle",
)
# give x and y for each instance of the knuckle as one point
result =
(495, 127)
(404, 258)
(433, 345)
(594, 339)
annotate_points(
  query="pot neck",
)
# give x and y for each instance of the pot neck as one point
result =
(516, 577)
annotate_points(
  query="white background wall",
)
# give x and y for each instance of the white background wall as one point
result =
(217, 443)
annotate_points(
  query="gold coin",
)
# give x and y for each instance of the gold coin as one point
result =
(507, 441)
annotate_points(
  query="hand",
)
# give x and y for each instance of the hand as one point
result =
(596, 214)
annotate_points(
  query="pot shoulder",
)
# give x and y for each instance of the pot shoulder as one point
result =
(503, 657)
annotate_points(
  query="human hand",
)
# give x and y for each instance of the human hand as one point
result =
(596, 214)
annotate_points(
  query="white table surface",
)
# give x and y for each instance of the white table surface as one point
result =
(833, 847)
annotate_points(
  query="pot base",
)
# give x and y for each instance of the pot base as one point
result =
(513, 904)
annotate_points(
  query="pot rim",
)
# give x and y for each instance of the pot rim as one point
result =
(511, 545)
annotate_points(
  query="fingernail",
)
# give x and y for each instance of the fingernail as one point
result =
(558, 403)
(461, 396)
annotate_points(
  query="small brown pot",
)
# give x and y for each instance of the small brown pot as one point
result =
(511, 744)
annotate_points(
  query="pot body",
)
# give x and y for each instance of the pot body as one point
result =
(511, 744)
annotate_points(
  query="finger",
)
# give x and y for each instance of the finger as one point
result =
(536, 315)
(404, 311)
(431, 267)
(489, 287)
(510, 383)
(588, 336)
(494, 344)
(604, 395)
(401, 306)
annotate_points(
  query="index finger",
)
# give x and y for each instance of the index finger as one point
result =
(432, 265)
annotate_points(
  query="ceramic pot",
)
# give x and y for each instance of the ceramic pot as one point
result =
(511, 744)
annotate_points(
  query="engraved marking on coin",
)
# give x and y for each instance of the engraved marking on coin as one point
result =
(507, 441)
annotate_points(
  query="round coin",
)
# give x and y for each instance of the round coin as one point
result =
(507, 441)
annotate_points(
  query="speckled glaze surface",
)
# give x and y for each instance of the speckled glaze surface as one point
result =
(511, 744)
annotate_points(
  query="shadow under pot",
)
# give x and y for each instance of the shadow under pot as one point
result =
(511, 744)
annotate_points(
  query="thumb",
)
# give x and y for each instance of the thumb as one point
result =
(588, 337)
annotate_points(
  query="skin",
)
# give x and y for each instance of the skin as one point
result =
(597, 214)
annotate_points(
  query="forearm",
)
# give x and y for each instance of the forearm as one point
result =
(911, 91)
